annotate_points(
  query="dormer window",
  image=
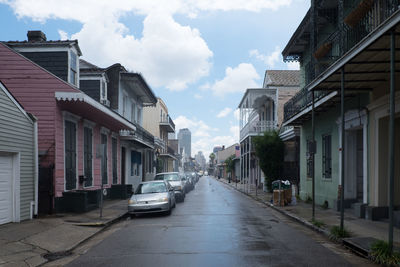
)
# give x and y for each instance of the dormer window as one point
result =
(73, 76)
(103, 90)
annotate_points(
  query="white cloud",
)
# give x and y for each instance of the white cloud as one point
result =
(198, 96)
(223, 113)
(63, 35)
(293, 65)
(204, 137)
(269, 60)
(236, 80)
(236, 114)
(167, 54)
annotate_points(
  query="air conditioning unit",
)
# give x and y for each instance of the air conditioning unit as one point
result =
(105, 102)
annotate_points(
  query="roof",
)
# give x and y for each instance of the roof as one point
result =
(282, 78)
(298, 41)
(18, 73)
(83, 64)
(146, 94)
(45, 44)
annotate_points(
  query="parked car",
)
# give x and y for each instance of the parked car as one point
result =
(152, 197)
(175, 181)
(186, 183)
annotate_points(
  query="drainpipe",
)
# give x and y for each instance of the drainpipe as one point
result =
(35, 163)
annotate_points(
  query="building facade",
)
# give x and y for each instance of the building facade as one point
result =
(18, 161)
(157, 121)
(261, 110)
(346, 48)
(185, 142)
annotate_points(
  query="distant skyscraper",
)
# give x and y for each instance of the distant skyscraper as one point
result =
(185, 141)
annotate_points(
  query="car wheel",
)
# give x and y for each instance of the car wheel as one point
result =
(132, 216)
(174, 204)
(168, 212)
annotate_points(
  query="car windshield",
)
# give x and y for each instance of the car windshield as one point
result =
(167, 177)
(151, 188)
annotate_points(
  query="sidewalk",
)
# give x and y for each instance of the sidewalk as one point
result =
(360, 229)
(34, 242)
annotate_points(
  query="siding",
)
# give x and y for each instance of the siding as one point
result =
(16, 135)
(91, 88)
(55, 62)
(34, 88)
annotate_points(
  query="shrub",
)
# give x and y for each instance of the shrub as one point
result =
(337, 233)
(317, 223)
(380, 254)
(325, 205)
(270, 151)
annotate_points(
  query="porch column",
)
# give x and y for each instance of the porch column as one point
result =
(365, 160)
(312, 151)
(391, 134)
(342, 149)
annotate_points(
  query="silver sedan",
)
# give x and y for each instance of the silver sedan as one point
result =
(152, 197)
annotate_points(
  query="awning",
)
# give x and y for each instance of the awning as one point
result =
(85, 106)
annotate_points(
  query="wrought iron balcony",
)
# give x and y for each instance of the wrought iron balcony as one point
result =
(357, 25)
(167, 123)
(257, 128)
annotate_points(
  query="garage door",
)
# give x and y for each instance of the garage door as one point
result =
(6, 179)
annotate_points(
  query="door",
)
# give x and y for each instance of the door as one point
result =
(88, 156)
(360, 166)
(6, 189)
(46, 194)
(70, 155)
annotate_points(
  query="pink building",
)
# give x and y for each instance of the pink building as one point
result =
(78, 138)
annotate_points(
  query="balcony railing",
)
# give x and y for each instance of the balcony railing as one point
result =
(171, 151)
(337, 44)
(144, 135)
(257, 128)
(166, 119)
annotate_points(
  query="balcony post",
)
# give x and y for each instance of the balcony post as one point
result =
(313, 153)
(391, 134)
(342, 149)
(341, 26)
(313, 36)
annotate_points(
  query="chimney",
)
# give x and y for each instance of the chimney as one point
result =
(36, 36)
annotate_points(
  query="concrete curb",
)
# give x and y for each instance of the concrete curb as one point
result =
(289, 215)
(52, 256)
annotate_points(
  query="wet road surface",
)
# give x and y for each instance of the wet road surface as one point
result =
(215, 226)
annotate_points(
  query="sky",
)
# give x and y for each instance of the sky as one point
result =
(199, 56)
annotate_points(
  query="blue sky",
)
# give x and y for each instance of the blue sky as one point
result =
(199, 56)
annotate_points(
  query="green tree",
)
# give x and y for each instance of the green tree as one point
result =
(230, 163)
(212, 157)
(270, 151)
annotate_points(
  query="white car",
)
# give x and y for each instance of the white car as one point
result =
(152, 197)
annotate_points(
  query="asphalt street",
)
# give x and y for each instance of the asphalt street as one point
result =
(215, 226)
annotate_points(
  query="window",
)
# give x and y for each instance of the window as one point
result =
(133, 113)
(327, 156)
(139, 116)
(104, 178)
(73, 69)
(309, 159)
(103, 90)
(114, 160)
(124, 105)
(70, 155)
(87, 156)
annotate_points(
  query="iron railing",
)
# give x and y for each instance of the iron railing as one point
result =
(165, 118)
(257, 127)
(340, 42)
(144, 135)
